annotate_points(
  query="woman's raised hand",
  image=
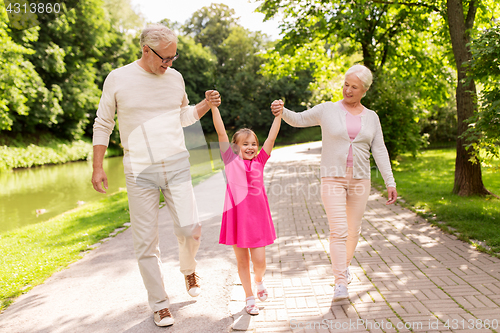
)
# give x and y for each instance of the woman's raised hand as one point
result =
(277, 107)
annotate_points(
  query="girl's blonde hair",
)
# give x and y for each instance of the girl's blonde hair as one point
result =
(241, 132)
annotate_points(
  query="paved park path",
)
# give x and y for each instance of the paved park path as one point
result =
(408, 275)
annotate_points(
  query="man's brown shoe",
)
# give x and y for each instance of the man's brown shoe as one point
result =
(163, 317)
(192, 284)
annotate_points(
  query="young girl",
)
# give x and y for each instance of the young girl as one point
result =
(246, 221)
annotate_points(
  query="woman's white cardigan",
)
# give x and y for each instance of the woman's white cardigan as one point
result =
(332, 119)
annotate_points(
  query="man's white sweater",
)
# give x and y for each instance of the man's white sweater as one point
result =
(151, 110)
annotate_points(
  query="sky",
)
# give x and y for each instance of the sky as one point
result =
(181, 10)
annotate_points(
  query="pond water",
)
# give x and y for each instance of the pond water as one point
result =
(51, 190)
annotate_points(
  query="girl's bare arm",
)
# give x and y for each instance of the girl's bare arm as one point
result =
(273, 133)
(220, 128)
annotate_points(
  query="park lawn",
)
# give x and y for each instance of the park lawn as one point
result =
(33, 253)
(425, 184)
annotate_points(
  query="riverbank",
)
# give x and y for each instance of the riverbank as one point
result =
(31, 254)
(32, 151)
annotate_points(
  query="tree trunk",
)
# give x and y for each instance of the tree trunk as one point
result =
(468, 179)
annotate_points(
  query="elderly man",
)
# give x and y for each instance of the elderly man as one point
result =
(152, 107)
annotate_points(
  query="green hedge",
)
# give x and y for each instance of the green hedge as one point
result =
(55, 152)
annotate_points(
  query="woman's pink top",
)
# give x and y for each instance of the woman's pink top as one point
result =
(353, 123)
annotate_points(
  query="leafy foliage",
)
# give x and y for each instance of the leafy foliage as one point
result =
(20, 82)
(368, 26)
(211, 25)
(392, 40)
(56, 153)
(235, 70)
(63, 62)
(325, 67)
(395, 103)
(484, 130)
(197, 66)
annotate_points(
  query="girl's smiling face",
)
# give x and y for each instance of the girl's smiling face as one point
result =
(248, 146)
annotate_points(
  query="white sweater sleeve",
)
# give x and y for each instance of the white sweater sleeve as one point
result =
(381, 156)
(188, 113)
(105, 116)
(311, 117)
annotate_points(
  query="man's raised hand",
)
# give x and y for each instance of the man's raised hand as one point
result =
(213, 98)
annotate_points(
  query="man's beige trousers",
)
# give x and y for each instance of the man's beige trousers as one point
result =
(144, 198)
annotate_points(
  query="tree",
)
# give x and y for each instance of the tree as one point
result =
(483, 134)
(211, 25)
(21, 85)
(371, 27)
(71, 53)
(66, 51)
(122, 16)
(122, 46)
(242, 88)
(378, 26)
(246, 93)
(468, 179)
(379, 32)
(197, 65)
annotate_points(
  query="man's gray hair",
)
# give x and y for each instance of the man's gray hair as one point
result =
(153, 34)
(363, 73)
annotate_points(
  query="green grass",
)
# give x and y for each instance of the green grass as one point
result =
(31, 254)
(425, 183)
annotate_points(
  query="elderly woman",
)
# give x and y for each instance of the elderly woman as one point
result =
(349, 132)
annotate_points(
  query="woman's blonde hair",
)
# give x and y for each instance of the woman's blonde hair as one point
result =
(242, 131)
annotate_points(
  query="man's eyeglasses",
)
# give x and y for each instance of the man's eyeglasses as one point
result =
(165, 60)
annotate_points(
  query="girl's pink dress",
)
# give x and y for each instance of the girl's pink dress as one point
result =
(246, 221)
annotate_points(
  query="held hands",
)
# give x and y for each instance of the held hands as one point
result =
(392, 194)
(277, 107)
(213, 98)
